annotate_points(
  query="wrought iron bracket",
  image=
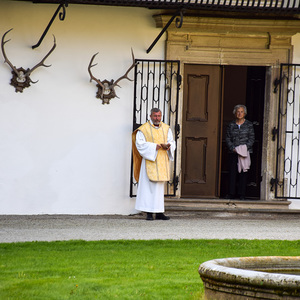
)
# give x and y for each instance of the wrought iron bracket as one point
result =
(277, 82)
(274, 133)
(62, 16)
(178, 23)
(273, 183)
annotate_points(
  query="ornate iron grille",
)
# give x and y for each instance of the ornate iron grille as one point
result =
(157, 84)
(287, 180)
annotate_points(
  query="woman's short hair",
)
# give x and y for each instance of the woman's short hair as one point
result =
(238, 106)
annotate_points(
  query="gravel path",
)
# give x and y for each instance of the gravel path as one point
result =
(115, 227)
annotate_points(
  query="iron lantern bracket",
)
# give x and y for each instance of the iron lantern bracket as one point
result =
(179, 22)
(62, 16)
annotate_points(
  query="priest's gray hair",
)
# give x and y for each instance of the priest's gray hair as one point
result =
(238, 106)
(155, 110)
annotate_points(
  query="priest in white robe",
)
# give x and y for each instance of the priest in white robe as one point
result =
(153, 147)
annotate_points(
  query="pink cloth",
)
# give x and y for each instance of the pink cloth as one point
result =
(244, 161)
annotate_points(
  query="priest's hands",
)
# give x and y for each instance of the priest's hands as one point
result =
(166, 146)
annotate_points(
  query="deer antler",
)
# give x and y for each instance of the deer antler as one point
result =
(41, 63)
(106, 89)
(125, 76)
(6, 60)
(92, 76)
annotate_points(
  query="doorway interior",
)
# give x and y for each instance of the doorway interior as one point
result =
(244, 85)
(210, 92)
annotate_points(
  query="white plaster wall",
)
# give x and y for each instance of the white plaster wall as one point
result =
(61, 150)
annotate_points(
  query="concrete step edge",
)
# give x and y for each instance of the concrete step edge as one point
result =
(225, 201)
(229, 209)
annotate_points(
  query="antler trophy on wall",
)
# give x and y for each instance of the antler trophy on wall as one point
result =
(106, 89)
(21, 77)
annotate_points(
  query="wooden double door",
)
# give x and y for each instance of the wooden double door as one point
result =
(210, 94)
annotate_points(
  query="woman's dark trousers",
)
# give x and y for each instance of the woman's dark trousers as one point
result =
(234, 175)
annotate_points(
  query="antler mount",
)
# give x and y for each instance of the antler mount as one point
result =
(106, 89)
(20, 80)
(21, 77)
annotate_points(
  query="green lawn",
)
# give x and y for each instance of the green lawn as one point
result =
(119, 269)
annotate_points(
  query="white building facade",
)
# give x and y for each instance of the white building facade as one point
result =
(64, 152)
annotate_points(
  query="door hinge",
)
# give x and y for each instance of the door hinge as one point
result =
(277, 82)
(179, 80)
(177, 131)
(273, 183)
(176, 182)
(274, 133)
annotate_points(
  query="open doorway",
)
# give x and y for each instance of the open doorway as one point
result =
(209, 96)
(244, 85)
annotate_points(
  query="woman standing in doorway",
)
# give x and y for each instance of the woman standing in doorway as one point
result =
(239, 139)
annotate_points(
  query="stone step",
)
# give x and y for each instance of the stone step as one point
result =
(229, 206)
(226, 203)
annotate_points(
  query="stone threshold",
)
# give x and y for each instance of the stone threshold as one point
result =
(191, 204)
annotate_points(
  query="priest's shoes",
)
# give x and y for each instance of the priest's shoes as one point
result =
(161, 216)
(149, 217)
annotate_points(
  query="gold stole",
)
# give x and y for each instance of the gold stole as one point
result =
(157, 170)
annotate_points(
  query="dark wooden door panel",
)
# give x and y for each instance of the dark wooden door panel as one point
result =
(197, 100)
(195, 160)
(200, 131)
